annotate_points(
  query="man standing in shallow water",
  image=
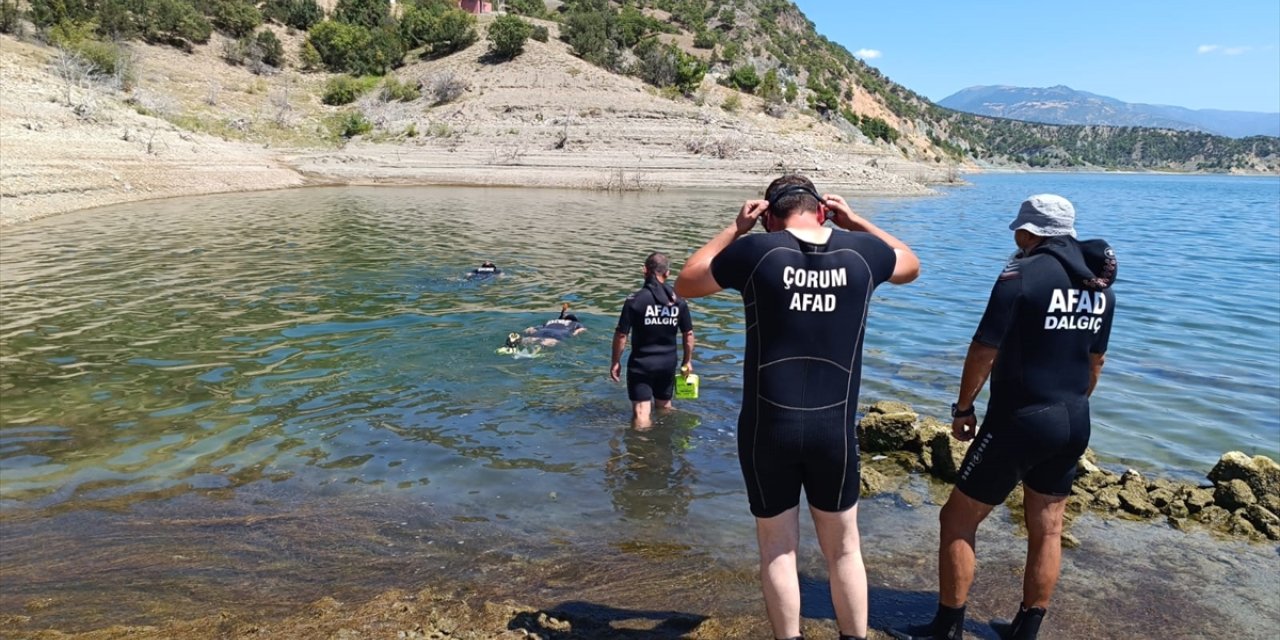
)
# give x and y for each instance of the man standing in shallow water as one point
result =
(1041, 341)
(652, 317)
(806, 290)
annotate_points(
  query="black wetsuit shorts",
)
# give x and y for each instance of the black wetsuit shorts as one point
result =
(1039, 445)
(650, 385)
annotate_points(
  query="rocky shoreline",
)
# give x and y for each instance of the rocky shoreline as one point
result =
(1239, 500)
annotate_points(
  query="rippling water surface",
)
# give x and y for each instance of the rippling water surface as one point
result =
(324, 341)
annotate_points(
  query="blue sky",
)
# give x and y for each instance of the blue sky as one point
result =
(1199, 55)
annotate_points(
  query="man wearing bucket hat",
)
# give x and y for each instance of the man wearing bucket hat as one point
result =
(1041, 341)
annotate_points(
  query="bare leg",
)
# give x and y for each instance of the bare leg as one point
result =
(778, 538)
(640, 414)
(841, 545)
(1044, 546)
(960, 518)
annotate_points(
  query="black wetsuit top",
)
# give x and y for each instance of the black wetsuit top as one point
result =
(483, 272)
(1046, 319)
(654, 317)
(806, 310)
(559, 329)
(1048, 312)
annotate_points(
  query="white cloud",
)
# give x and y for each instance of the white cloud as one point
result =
(1226, 51)
(868, 54)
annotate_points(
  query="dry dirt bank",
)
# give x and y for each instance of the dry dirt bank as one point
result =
(192, 124)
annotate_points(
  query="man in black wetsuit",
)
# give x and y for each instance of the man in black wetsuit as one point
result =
(652, 317)
(806, 290)
(1041, 341)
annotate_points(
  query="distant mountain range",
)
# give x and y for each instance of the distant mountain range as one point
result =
(1064, 105)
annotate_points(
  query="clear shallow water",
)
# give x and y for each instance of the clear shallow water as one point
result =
(321, 345)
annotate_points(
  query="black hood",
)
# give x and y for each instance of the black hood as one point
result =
(1091, 264)
(661, 291)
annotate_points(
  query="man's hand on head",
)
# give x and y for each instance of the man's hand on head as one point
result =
(749, 215)
(842, 213)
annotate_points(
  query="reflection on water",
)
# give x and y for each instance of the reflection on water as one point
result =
(323, 347)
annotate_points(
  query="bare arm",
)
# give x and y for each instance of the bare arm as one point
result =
(907, 267)
(977, 368)
(695, 279)
(1096, 360)
(687, 364)
(615, 365)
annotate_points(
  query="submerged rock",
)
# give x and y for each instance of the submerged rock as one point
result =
(872, 482)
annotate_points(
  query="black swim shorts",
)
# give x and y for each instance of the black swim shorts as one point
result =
(643, 386)
(783, 451)
(1039, 445)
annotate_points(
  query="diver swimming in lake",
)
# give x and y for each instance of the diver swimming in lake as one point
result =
(486, 271)
(548, 334)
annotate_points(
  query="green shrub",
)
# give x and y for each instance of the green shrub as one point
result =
(793, 90)
(704, 40)
(272, 48)
(363, 13)
(588, 34)
(309, 57)
(393, 90)
(770, 88)
(340, 90)
(732, 103)
(507, 36)
(236, 18)
(540, 33)
(354, 49)
(874, 128)
(46, 13)
(9, 15)
(453, 31)
(174, 22)
(531, 8)
(299, 14)
(351, 124)
(744, 78)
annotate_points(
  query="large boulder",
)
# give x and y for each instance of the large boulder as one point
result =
(886, 427)
(946, 456)
(1233, 495)
(1261, 473)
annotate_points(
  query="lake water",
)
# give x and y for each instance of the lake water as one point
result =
(192, 363)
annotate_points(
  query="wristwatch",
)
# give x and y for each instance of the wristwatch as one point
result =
(957, 413)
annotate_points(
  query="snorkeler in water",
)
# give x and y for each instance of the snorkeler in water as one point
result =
(548, 334)
(485, 271)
